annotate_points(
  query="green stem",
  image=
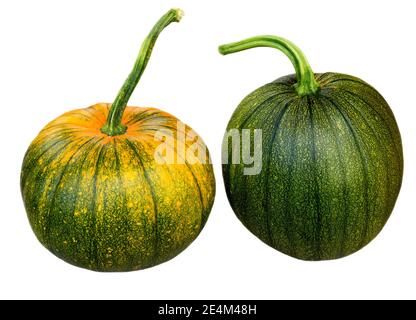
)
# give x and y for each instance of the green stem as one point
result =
(306, 84)
(113, 126)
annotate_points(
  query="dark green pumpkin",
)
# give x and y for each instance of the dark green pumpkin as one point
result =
(96, 196)
(332, 160)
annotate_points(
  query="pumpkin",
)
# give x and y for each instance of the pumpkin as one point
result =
(331, 162)
(99, 191)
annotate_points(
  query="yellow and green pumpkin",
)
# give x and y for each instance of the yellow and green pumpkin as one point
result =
(97, 191)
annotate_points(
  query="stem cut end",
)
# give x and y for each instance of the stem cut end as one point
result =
(179, 13)
(223, 50)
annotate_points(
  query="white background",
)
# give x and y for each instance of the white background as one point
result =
(61, 55)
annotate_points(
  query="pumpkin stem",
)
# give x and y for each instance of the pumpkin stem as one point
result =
(306, 84)
(113, 126)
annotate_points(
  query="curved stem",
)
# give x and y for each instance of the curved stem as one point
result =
(307, 83)
(113, 126)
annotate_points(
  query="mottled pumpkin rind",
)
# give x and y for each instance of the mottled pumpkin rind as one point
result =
(332, 166)
(104, 203)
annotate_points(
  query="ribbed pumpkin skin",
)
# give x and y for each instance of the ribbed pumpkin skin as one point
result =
(332, 167)
(104, 203)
